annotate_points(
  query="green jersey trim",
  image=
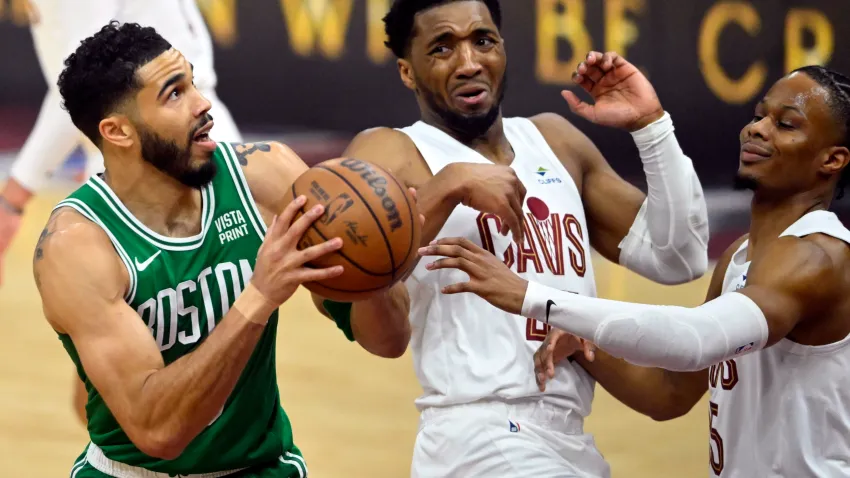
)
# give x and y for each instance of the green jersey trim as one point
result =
(84, 209)
(158, 240)
(243, 190)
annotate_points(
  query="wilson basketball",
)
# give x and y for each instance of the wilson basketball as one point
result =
(374, 215)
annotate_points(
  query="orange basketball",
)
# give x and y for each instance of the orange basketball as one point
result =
(374, 215)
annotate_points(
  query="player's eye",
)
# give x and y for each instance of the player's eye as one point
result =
(175, 94)
(439, 49)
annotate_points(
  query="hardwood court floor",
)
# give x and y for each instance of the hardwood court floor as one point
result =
(352, 413)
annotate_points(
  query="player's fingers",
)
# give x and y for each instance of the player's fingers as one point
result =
(589, 350)
(314, 252)
(294, 232)
(422, 220)
(284, 219)
(457, 288)
(452, 247)
(578, 106)
(593, 57)
(607, 63)
(306, 274)
(459, 263)
(594, 73)
(412, 192)
(516, 221)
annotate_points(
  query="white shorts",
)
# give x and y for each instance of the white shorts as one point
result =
(498, 439)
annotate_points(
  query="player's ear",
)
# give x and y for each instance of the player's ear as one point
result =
(406, 72)
(117, 130)
(836, 160)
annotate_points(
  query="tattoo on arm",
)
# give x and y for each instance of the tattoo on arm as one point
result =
(247, 149)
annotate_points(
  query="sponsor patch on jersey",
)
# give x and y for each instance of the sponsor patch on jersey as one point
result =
(546, 178)
(513, 427)
(745, 348)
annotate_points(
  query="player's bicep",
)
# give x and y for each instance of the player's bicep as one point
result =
(82, 283)
(391, 150)
(792, 279)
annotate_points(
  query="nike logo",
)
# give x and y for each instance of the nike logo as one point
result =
(549, 304)
(144, 265)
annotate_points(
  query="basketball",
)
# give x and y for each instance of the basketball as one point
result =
(374, 215)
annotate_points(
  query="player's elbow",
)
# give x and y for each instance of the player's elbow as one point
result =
(669, 412)
(392, 345)
(160, 445)
(682, 265)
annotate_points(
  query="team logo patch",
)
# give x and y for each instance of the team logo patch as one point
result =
(745, 348)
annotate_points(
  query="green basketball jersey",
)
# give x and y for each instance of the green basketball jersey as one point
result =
(181, 288)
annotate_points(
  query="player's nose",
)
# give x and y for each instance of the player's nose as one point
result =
(469, 65)
(201, 105)
(760, 129)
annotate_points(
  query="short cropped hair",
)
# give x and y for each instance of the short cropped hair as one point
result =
(398, 23)
(838, 87)
(101, 73)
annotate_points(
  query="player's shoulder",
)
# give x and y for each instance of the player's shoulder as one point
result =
(815, 264)
(381, 138)
(76, 245)
(730, 251)
(391, 149)
(554, 126)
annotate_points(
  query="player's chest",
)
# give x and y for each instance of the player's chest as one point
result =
(182, 295)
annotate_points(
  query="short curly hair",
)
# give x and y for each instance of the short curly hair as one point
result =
(398, 23)
(101, 73)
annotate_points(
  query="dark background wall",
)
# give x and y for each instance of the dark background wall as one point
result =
(283, 65)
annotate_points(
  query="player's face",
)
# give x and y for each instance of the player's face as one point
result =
(790, 144)
(457, 66)
(173, 121)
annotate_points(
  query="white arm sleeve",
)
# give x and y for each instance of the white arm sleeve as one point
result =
(668, 242)
(673, 338)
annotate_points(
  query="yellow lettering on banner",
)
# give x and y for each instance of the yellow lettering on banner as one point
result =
(20, 12)
(718, 17)
(620, 32)
(375, 35)
(220, 16)
(312, 22)
(798, 21)
(552, 26)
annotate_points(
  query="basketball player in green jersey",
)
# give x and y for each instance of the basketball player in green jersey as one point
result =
(163, 282)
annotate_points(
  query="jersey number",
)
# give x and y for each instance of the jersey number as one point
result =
(716, 460)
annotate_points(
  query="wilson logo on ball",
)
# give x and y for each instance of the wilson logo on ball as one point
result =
(378, 183)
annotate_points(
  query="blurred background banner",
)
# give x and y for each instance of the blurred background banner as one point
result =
(288, 65)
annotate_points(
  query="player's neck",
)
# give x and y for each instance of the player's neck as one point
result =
(159, 201)
(771, 215)
(493, 144)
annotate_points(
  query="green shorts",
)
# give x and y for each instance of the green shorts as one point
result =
(291, 465)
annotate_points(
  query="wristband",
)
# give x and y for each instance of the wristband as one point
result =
(5, 204)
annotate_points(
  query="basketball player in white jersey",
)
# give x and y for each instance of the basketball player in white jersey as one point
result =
(772, 340)
(479, 175)
(58, 27)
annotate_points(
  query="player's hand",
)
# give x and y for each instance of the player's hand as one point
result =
(623, 97)
(495, 189)
(489, 278)
(280, 266)
(558, 346)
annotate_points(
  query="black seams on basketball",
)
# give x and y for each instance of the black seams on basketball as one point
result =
(372, 213)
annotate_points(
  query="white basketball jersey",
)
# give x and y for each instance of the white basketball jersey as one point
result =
(465, 349)
(783, 411)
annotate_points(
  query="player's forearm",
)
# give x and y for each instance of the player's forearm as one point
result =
(437, 199)
(668, 241)
(654, 392)
(177, 402)
(381, 324)
(674, 338)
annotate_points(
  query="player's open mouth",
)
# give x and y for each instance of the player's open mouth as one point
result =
(202, 137)
(471, 95)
